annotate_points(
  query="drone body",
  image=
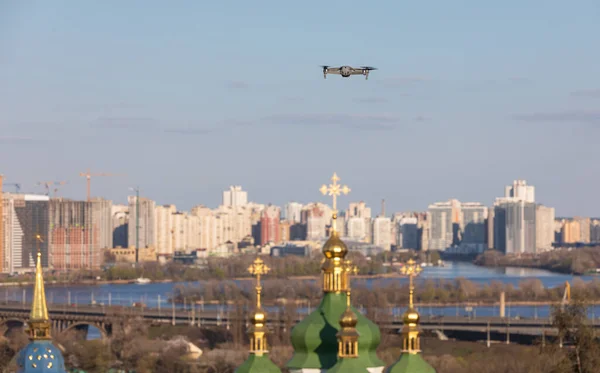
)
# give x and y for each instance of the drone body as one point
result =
(347, 71)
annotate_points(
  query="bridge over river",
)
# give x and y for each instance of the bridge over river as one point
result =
(66, 317)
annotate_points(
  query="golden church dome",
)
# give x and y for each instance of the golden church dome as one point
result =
(411, 316)
(259, 317)
(348, 319)
(335, 247)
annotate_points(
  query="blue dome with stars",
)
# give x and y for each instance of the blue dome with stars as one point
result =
(40, 357)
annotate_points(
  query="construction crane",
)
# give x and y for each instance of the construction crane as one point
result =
(48, 184)
(16, 185)
(88, 175)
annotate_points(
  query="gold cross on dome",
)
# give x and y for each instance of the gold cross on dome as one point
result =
(411, 269)
(334, 189)
(258, 268)
(351, 268)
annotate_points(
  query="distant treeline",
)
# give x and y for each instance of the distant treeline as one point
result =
(386, 292)
(570, 261)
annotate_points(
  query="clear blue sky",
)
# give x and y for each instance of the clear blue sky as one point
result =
(188, 97)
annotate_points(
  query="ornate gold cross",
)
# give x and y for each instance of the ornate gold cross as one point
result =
(411, 269)
(334, 189)
(258, 268)
(351, 268)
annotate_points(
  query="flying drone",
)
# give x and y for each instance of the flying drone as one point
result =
(347, 71)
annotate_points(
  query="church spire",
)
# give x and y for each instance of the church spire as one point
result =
(410, 360)
(39, 322)
(348, 336)
(410, 331)
(258, 330)
(335, 278)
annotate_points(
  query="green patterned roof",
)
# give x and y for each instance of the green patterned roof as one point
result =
(410, 363)
(348, 365)
(258, 364)
(315, 341)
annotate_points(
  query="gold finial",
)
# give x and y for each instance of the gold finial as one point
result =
(411, 269)
(39, 323)
(258, 330)
(334, 189)
(410, 330)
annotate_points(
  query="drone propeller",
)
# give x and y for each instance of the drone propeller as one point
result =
(368, 68)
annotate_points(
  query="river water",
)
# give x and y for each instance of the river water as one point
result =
(157, 294)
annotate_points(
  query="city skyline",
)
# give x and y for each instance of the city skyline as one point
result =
(217, 200)
(182, 98)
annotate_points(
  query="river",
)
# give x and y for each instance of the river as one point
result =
(154, 294)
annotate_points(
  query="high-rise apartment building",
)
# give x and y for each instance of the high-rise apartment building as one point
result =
(544, 227)
(163, 230)
(356, 229)
(408, 231)
(595, 230)
(102, 218)
(358, 209)
(382, 232)
(233, 223)
(316, 216)
(208, 227)
(120, 225)
(78, 233)
(293, 212)
(519, 190)
(25, 216)
(269, 225)
(444, 224)
(473, 229)
(284, 231)
(144, 236)
(235, 196)
(490, 227)
(575, 229)
(514, 226)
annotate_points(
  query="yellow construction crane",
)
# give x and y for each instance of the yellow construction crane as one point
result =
(88, 175)
(48, 184)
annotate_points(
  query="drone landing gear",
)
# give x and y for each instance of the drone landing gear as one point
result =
(324, 75)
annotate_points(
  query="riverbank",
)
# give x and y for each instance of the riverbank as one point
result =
(564, 261)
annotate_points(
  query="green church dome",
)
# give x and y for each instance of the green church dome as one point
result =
(410, 363)
(315, 342)
(258, 364)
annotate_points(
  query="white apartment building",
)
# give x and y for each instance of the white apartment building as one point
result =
(382, 232)
(208, 227)
(356, 229)
(520, 191)
(358, 209)
(293, 212)
(163, 224)
(544, 227)
(444, 219)
(235, 196)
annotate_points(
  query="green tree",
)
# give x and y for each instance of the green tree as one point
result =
(583, 351)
